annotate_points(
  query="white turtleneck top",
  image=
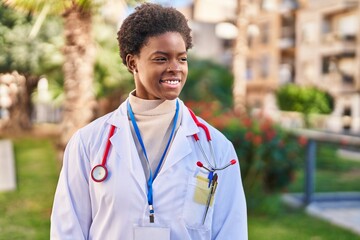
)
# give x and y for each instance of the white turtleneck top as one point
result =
(155, 121)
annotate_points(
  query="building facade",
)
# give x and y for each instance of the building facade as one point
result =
(307, 42)
(328, 54)
(271, 55)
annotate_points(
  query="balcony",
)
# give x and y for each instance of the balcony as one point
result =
(337, 48)
(337, 83)
(332, 3)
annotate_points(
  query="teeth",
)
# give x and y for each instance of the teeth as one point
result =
(172, 82)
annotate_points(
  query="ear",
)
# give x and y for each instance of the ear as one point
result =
(131, 63)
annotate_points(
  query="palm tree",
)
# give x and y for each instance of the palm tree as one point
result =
(79, 57)
(239, 59)
(78, 68)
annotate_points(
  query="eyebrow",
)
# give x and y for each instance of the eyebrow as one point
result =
(165, 53)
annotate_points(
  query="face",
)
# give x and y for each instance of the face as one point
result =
(160, 69)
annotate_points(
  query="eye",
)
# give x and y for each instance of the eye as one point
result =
(160, 59)
(183, 59)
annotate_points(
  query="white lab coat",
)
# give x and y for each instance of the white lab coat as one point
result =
(84, 209)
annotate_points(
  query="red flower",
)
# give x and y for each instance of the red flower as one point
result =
(266, 125)
(343, 142)
(302, 140)
(246, 122)
(257, 140)
(248, 136)
(270, 134)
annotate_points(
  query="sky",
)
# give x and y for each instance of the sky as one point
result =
(173, 3)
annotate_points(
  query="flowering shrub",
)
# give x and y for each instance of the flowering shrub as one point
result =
(267, 153)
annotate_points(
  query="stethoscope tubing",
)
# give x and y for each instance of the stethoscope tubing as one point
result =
(108, 145)
(212, 167)
(204, 154)
(208, 138)
(102, 175)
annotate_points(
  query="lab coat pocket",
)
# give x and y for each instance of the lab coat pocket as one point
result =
(195, 206)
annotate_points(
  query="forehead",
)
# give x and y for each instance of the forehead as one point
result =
(165, 42)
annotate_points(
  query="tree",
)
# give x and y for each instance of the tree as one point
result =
(31, 58)
(79, 53)
(79, 58)
(305, 100)
(239, 59)
(17, 102)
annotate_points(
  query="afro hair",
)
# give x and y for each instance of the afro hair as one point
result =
(150, 20)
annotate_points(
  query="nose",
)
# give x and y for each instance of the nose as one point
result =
(173, 66)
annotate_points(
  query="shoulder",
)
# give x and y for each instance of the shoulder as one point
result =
(96, 127)
(93, 134)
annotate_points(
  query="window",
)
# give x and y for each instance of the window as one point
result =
(265, 33)
(308, 33)
(265, 66)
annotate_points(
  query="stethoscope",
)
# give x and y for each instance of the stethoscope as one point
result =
(99, 172)
(212, 167)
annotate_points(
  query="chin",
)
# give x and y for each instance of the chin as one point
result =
(171, 96)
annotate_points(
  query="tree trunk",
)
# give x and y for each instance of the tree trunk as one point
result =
(19, 89)
(239, 62)
(79, 53)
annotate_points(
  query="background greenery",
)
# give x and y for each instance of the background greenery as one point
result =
(25, 213)
(291, 97)
(305, 100)
(29, 55)
(208, 82)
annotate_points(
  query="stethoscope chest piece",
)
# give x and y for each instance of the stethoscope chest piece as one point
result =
(99, 173)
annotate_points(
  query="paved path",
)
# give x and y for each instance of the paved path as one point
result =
(7, 169)
(342, 213)
(349, 154)
(341, 209)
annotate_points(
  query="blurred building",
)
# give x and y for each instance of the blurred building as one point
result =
(270, 42)
(328, 54)
(307, 42)
(210, 41)
(271, 56)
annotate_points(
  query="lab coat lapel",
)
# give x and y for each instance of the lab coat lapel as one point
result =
(123, 143)
(180, 146)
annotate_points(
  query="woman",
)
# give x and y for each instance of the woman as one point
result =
(133, 173)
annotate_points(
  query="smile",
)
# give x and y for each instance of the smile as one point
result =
(171, 82)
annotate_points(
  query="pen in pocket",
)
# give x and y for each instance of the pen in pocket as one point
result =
(211, 194)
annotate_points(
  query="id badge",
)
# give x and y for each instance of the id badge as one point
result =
(151, 233)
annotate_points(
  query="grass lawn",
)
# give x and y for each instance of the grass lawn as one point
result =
(275, 221)
(333, 173)
(294, 225)
(25, 213)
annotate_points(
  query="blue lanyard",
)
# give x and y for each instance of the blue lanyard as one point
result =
(151, 177)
